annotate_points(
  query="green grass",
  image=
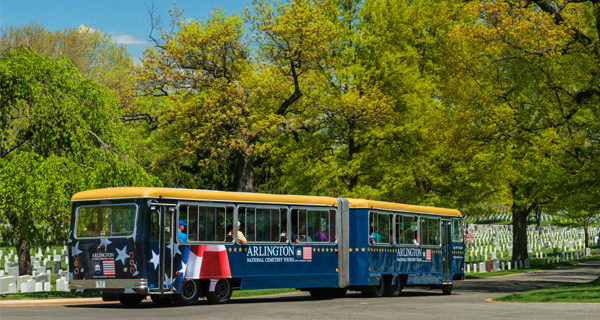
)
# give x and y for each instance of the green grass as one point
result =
(260, 292)
(580, 293)
(536, 265)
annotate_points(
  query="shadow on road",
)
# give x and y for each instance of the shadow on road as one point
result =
(532, 281)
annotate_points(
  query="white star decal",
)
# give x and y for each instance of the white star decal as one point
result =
(75, 249)
(122, 254)
(154, 259)
(70, 240)
(176, 251)
(168, 282)
(183, 268)
(104, 242)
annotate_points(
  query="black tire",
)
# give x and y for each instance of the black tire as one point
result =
(161, 299)
(447, 289)
(190, 291)
(222, 292)
(131, 299)
(393, 290)
(375, 291)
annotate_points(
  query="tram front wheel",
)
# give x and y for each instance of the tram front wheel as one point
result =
(131, 299)
(222, 292)
(189, 293)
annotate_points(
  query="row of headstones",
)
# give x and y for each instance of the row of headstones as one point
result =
(27, 283)
(491, 238)
(499, 264)
(40, 263)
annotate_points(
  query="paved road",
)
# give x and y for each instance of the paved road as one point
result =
(468, 301)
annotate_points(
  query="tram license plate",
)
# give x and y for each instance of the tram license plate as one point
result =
(100, 284)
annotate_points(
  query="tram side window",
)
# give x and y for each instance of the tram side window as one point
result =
(262, 224)
(430, 231)
(457, 233)
(313, 225)
(206, 223)
(380, 227)
(407, 229)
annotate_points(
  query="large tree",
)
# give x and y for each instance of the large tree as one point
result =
(59, 133)
(217, 100)
(527, 72)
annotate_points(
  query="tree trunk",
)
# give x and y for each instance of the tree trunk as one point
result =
(23, 247)
(245, 172)
(520, 214)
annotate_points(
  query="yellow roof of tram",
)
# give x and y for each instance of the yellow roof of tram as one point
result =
(211, 195)
(193, 194)
(382, 205)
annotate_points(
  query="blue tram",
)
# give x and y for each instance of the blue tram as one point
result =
(181, 244)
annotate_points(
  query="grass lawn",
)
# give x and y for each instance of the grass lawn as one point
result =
(536, 265)
(580, 293)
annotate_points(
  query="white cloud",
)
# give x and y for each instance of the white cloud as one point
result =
(127, 39)
(84, 28)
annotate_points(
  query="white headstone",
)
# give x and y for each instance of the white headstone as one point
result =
(47, 286)
(30, 285)
(12, 288)
(60, 284)
(39, 287)
(24, 288)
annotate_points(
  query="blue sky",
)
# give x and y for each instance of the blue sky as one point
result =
(126, 21)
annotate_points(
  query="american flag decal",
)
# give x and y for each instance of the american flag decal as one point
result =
(108, 266)
(307, 253)
(428, 254)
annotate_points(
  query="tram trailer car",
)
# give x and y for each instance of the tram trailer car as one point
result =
(177, 245)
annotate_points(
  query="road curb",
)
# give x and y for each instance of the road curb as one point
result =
(49, 302)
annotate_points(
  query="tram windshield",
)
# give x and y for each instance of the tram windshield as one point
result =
(105, 221)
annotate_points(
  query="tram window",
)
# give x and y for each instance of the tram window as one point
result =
(430, 231)
(206, 223)
(105, 221)
(406, 229)
(379, 227)
(457, 233)
(311, 225)
(262, 224)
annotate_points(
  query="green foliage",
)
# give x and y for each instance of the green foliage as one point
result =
(59, 134)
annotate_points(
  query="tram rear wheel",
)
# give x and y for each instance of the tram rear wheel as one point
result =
(393, 290)
(131, 299)
(447, 289)
(222, 293)
(375, 291)
(189, 293)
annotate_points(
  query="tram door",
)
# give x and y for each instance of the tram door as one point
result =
(447, 249)
(163, 232)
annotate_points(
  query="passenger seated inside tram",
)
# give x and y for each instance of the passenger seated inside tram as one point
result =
(374, 237)
(415, 240)
(229, 233)
(283, 236)
(320, 236)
